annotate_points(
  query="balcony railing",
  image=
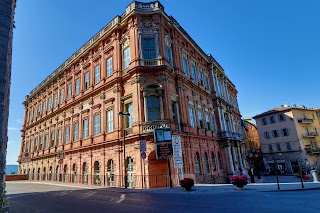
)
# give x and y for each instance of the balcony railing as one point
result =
(150, 62)
(311, 135)
(305, 120)
(311, 150)
(232, 135)
(149, 126)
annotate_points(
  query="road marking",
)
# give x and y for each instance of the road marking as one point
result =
(122, 197)
(88, 194)
(61, 194)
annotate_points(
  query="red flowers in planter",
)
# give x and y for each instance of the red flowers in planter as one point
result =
(239, 179)
(187, 183)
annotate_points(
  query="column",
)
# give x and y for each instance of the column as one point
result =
(240, 156)
(234, 155)
(228, 150)
(219, 115)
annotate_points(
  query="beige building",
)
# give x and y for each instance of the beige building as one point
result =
(288, 134)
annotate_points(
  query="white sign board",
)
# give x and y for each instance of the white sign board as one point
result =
(177, 152)
(143, 146)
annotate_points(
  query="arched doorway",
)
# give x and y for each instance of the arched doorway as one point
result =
(44, 175)
(84, 173)
(198, 166)
(74, 173)
(32, 177)
(38, 174)
(65, 173)
(130, 172)
(96, 172)
(110, 173)
(158, 172)
(50, 173)
(58, 173)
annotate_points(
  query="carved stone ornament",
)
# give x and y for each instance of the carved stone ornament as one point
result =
(117, 89)
(168, 41)
(102, 96)
(137, 79)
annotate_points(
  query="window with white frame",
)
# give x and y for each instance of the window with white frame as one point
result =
(129, 109)
(75, 131)
(66, 135)
(69, 91)
(97, 74)
(194, 71)
(153, 108)
(87, 80)
(201, 77)
(47, 141)
(200, 117)
(61, 96)
(49, 104)
(40, 143)
(77, 86)
(185, 64)
(35, 112)
(207, 82)
(192, 117)
(59, 137)
(44, 107)
(168, 50)
(109, 67)
(148, 47)
(96, 120)
(110, 120)
(39, 109)
(55, 100)
(126, 57)
(52, 138)
(85, 128)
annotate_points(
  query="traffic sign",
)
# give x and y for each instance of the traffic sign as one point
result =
(143, 155)
(177, 152)
(143, 146)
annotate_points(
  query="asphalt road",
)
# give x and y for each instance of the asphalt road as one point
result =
(36, 198)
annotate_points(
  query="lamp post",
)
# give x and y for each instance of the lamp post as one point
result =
(124, 147)
(253, 158)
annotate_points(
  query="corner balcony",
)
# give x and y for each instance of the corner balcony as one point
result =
(310, 135)
(305, 120)
(311, 150)
(150, 62)
(149, 126)
(232, 135)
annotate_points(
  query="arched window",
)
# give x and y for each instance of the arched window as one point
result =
(110, 174)
(97, 180)
(74, 173)
(206, 162)
(214, 164)
(84, 173)
(198, 167)
(65, 171)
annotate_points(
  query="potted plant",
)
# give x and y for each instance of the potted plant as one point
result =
(187, 183)
(239, 181)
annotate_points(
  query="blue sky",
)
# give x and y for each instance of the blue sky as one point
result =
(269, 49)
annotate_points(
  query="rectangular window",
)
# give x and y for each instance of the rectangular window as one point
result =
(44, 107)
(129, 109)
(275, 133)
(61, 96)
(272, 119)
(40, 143)
(282, 117)
(77, 86)
(52, 139)
(34, 113)
(194, 72)
(148, 48)
(59, 136)
(109, 67)
(185, 65)
(266, 135)
(35, 145)
(153, 108)
(207, 83)
(39, 109)
(285, 132)
(49, 104)
(86, 80)
(85, 129)
(200, 119)
(66, 136)
(30, 115)
(208, 122)
(278, 147)
(47, 141)
(75, 131)
(169, 56)
(96, 125)
(192, 118)
(174, 112)
(69, 91)
(264, 121)
(201, 78)
(270, 148)
(55, 100)
(110, 121)
(288, 146)
(126, 58)
(214, 126)
(97, 74)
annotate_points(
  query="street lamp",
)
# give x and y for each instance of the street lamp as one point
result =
(253, 158)
(124, 148)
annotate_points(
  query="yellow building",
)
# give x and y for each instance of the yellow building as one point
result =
(289, 134)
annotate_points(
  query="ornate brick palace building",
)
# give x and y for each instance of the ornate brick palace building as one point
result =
(142, 63)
